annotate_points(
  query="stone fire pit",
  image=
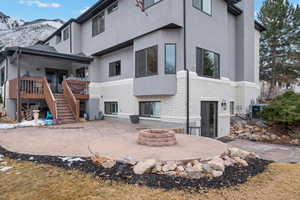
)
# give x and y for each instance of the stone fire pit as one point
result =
(157, 137)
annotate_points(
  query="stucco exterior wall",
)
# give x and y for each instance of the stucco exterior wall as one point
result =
(128, 22)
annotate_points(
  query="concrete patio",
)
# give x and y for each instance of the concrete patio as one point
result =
(114, 139)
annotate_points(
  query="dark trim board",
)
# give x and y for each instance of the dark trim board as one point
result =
(80, 59)
(131, 41)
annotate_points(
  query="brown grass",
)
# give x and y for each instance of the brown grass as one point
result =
(29, 181)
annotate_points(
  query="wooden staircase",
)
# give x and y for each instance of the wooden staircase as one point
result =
(64, 112)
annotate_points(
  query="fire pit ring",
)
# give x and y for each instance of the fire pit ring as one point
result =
(157, 137)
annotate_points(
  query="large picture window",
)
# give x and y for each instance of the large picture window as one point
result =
(115, 68)
(146, 62)
(203, 5)
(170, 58)
(207, 63)
(98, 24)
(111, 108)
(150, 109)
(149, 3)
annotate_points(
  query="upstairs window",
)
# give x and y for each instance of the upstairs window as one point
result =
(98, 24)
(66, 34)
(207, 63)
(146, 62)
(113, 7)
(203, 5)
(170, 58)
(58, 38)
(149, 3)
(115, 68)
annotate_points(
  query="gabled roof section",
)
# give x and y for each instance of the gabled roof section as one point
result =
(58, 30)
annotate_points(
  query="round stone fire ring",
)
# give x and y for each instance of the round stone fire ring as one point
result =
(157, 137)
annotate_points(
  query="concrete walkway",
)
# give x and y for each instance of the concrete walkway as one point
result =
(278, 153)
(109, 138)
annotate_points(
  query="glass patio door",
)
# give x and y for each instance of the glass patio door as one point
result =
(209, 119)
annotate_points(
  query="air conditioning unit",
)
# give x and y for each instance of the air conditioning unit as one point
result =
(255, 110)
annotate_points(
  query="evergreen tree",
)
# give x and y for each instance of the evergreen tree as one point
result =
(280, 43)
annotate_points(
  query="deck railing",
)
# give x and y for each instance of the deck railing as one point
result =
(30, 87)
(50, 99)
(71, 99)
(79, 88)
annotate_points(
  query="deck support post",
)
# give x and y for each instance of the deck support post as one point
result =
(18, 87)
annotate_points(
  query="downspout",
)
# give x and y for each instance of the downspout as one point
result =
(5, 80)
(19, 51)
(71, 48)
(187, 71)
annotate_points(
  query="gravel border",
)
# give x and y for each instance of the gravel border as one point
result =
(122, 172)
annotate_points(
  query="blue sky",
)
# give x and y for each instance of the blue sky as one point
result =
(62, 9)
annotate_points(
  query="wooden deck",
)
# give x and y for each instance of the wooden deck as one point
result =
(34, 88)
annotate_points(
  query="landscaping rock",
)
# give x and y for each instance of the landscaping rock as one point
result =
(109, 164)
(216, 173)
(228, 161)
(180, 168)
(241, 161)
(235, 152)
(129, 160)
(144, 166)
(193, 173)
(157, 168)
(217, 164)
(169, 167)
(207, 168)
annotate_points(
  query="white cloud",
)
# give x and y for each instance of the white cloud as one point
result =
(83, 10)
(39, 4)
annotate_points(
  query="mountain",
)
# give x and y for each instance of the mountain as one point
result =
(18, 32)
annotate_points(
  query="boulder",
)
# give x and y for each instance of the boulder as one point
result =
(157, 168)
(235, 152)
(193, 173)
(207, 168)
(241, 161)
(144, 166)
(169, 167)
(180, 168)
(216, 173)
(217, 164)
(109, 164)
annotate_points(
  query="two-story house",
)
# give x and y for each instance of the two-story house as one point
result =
(187, 62)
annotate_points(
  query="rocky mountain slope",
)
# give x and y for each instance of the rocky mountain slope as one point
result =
(17, 32)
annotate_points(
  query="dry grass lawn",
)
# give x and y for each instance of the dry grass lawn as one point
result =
(29, 181)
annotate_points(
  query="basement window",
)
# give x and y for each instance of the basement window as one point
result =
(150, 109)
(111, 108)
(115, 68)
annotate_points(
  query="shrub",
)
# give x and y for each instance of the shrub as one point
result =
(284, 109)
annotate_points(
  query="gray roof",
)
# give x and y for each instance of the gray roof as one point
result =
(41, 47)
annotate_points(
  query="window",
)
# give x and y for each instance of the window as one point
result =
(80, 73)
(170, 58)
(111, 108)
(98, 24)
(66, 34)
(146, 62)
(207, 63)
(150, 109)
(113, 7)
(2, 76)
(115, 68)
(47, 44)
(232, 110)
(58, 38)
(203, 5)
(149, 3)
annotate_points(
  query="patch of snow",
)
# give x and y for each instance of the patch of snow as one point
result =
(71, 159)
(22, 124)
(5, 169)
